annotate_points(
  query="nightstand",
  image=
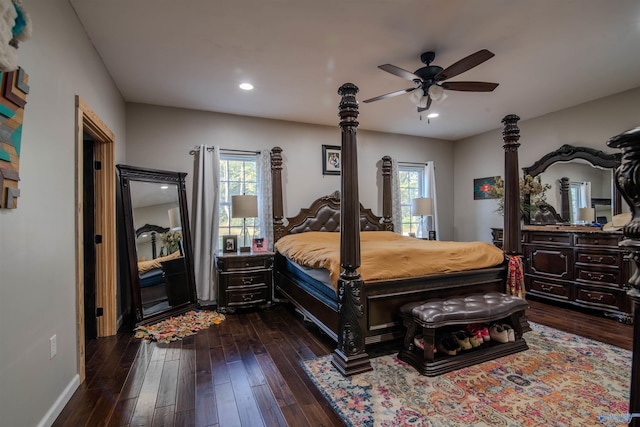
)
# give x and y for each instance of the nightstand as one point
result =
(244, 280)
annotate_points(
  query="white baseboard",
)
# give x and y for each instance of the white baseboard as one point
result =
(61, 401)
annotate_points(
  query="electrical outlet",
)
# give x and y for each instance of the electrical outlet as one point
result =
(53, 345)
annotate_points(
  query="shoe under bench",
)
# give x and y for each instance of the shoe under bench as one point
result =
(439, 315)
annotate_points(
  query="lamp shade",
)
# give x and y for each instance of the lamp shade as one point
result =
(586, 214)
(244, 206)
(422, 206)
(174, 219)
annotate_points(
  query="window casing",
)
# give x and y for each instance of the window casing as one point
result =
(411, 179)
(238, 175)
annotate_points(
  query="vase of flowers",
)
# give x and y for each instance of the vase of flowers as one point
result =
(531, 190)
(171, 240)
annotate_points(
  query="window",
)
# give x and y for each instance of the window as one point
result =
(411, 186)
(238, 175)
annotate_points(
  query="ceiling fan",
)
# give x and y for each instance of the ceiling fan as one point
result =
(430, 82)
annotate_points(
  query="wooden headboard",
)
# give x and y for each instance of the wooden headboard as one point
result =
(324, 215)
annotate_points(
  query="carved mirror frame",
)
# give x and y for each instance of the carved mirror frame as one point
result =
(567, 153)
(128, 175)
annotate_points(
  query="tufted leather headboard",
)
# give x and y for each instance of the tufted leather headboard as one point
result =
(324, 215)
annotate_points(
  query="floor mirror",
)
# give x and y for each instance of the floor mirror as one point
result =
(158, 242)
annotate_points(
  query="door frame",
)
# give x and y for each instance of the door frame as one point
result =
(105, 225)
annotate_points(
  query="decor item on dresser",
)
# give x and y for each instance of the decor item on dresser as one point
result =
(161, 285)
(244, 280)
(578, 265)
(532, 195)
(244, 206)
(356, 311)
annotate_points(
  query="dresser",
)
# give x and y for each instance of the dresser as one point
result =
(244, 280)
(577, 265)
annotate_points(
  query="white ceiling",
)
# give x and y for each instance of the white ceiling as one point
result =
(549, 55)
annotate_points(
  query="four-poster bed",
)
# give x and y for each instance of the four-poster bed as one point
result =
(354, 314)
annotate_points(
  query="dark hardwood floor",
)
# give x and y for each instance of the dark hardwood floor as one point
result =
(243, 372)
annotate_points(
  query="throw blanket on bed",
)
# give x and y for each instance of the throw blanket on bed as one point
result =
(387, 255)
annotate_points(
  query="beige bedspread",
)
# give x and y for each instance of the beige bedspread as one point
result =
(388, 255)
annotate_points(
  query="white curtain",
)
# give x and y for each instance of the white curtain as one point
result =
(396, 209)
(206, 216)
(430, 191)
(265, 197)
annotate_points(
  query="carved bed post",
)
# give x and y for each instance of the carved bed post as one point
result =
(276, 184)
(350, 356)
(628, 182)
(512, 235)
(564, 199)
(386, 194)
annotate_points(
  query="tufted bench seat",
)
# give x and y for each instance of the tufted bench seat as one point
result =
(439, 315)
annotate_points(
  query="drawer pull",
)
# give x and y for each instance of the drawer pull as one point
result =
(596, 277)
(546, 288)
(599, 260)
(247, 297)
(551, 239)
(596, 242)
(591, 297)
(247, 281)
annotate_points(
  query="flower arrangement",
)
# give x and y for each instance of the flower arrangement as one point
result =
(531, 189)
(171, 240)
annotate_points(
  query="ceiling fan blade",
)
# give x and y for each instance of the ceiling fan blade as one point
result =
(420, 109)
(390, 95)
(470, 86)
(464, 64)
(397, 71)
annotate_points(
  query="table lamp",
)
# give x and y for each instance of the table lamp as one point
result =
(422, 206)
(586, 215)
(244, 207)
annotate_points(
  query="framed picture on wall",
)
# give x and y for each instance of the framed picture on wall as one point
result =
(229, 243)
(482, 188)
(331, 160)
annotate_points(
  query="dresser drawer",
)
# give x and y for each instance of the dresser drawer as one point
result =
(597, 240)
(601, 258)
(605, 277)
(554, 238)
(229, 264)
(249, 295)
(548, 289)
(598, 298)
(550, 262)
(239, 280)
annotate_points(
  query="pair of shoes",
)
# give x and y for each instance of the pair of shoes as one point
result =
(510, 332)
(481, 331)
(463, 339)
(447, 345)
(499, 333)
(419, 341)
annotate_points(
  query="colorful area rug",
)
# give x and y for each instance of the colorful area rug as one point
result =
(176, 328)
(562, 380)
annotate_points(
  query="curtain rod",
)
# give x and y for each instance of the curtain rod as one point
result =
(227, 150)
(414, 163)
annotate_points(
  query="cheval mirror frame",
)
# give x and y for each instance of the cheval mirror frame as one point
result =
(177, 279)
(565, 154)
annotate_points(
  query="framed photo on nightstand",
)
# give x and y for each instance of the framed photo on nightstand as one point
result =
(229, 243)
(259, 245)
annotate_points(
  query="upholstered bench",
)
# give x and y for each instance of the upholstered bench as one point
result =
(438, 316)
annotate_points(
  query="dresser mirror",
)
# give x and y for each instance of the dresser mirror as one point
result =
(158, 242)
(579, 177)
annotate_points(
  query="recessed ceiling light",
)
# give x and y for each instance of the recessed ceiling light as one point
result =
(164, 187)
(246, 86)
(433, 115)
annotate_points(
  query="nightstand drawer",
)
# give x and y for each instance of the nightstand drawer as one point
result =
(248, 296)
(248, 279)
(245, 263)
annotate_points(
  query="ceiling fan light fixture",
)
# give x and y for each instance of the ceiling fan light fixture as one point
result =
(246, 86)
(416, 96)
(436, 92)
(423, 102)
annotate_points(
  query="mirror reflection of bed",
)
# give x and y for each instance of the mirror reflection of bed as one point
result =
(161, 270)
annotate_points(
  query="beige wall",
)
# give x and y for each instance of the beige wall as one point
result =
(161, 138)
(37, 240)
(589, 125)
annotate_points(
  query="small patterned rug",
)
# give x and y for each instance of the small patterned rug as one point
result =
(176, 328)
(562, 380)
